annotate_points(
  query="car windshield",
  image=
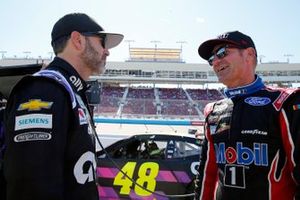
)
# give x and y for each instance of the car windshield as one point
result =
(155, 149)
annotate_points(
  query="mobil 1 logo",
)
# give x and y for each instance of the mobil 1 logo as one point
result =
(234, 176)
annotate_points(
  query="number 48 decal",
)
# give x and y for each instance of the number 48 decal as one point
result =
(146, 178)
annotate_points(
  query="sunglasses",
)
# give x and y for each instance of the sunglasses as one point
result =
(102, 37)
(220, 53)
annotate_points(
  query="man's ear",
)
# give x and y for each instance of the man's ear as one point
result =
(252, 58)
(252, 51)
(251, 54)
(77, 40)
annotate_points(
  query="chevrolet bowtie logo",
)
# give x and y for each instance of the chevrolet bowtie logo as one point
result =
(34, 105)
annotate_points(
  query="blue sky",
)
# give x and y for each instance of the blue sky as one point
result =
(273, 25)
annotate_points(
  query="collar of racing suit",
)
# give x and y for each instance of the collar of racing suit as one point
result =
(248, 89)
(70, 73)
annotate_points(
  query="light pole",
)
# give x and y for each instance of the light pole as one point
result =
(3, 53)
(260, 58)
(51, 54)
(26, 54)
(155, 43)
(129, 41)
(155, 47)
(288, 56)
(181, 43)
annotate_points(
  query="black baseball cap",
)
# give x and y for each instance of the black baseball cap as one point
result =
(235, 38)
(84, 24)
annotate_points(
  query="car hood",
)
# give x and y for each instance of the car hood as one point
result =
(10, 75)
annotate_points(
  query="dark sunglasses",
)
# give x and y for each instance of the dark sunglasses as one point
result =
(102, 37)
(220, 53)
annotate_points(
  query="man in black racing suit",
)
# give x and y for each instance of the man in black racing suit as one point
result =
(49, 131)
(2, 146)
(251, 147)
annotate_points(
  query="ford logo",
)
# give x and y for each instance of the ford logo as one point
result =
(257, 101)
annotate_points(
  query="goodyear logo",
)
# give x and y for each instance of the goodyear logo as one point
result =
(242, 155)
(35, 105)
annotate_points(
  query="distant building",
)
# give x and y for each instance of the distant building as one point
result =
(155, 55)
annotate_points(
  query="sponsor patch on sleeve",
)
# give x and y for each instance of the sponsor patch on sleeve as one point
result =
(82, 116)
(296, 107)
(32, 136)
(257, 101)
(33, 121)
(35, 105)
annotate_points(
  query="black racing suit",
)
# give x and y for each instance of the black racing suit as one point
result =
(252, 145)
(2, 146)
(50, 152)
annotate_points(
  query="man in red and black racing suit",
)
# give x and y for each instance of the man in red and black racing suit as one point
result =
(251, 146)
(253, 154)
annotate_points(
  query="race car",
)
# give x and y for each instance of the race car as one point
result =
(149, 166)
(10, 75)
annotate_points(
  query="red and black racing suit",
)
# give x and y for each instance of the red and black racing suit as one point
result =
(252, 145)
(50, 152)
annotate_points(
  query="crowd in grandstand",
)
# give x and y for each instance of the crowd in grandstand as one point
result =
(155, 101)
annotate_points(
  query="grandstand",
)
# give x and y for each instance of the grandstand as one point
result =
(174, 72)
(154, 102)
(190, 73)
(134, 88)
